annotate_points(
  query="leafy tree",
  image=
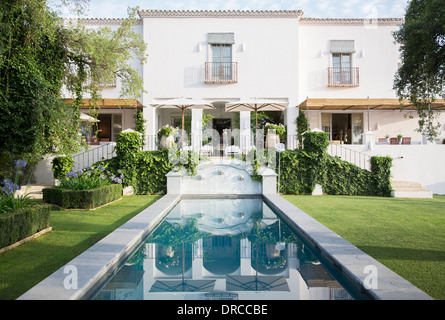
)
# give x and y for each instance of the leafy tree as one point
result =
(421, 78)
(40, 56)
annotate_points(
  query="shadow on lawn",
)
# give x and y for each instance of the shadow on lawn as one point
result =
(404, 253)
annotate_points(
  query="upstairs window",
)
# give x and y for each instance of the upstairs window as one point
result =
(221, 68)
(342, 73)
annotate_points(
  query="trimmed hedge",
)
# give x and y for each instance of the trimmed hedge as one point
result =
(302, 169)
(19, 224)
(82, 199)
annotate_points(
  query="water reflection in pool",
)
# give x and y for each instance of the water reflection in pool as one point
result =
(210, 249)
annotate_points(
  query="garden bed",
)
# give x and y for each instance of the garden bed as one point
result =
(82, 199)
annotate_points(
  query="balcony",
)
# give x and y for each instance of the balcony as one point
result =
(343, 77)
(221, 72)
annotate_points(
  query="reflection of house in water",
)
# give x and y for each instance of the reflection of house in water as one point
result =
(316, 277)
(125, 285)
(230, 256)
(221, 254)
(225, 249)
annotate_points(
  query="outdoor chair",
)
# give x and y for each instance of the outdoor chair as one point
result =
(187, 148)
(231, 150)
(406, 140)
(206, 150)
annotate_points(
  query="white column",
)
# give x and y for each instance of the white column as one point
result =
(197, 261)
(245, 255)
(245, 131)
(291, 116)
(196, 129)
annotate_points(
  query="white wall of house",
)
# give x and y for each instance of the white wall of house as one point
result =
(416, 163)
(376, 55)
(265, 49)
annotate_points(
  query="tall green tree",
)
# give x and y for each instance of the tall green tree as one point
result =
(421, 78)
(42, 55)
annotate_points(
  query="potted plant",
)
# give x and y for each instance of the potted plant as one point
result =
(400, 136)
(387, 138)
(166, 136)
(273, 134)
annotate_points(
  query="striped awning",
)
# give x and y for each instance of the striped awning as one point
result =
(364, 104)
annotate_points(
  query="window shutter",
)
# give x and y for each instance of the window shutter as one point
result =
(342, 46)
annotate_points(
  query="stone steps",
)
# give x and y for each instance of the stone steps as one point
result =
(409, 189)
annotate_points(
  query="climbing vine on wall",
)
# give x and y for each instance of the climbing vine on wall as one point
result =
(302, 169)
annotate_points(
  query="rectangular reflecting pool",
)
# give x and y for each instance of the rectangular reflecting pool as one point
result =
(223, 249)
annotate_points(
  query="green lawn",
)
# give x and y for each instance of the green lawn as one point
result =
(406, 235)
(73, 232)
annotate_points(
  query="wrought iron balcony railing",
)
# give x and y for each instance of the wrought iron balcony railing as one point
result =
(221, 72)
(343, 77)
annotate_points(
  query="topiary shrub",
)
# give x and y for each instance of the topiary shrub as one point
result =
(61, 166)
(315, 141)
(381, 170)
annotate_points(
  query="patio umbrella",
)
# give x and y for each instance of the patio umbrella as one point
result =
(87, 118)
(183, 104)
(256, 283)
(183, 286)
(256, 105)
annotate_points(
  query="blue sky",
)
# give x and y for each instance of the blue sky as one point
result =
(311, 8)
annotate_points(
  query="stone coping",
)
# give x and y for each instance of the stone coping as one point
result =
(97, 263)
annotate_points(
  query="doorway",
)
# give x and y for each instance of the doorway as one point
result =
(108, 127)
(343, 128)
(220, 125)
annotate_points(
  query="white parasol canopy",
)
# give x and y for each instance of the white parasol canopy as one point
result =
(87, 118)
(256, 105)
(183, 104)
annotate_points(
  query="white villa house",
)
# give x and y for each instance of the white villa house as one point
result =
(340, 72)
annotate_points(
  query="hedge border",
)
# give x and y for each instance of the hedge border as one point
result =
(22, 223)
(82, 199)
